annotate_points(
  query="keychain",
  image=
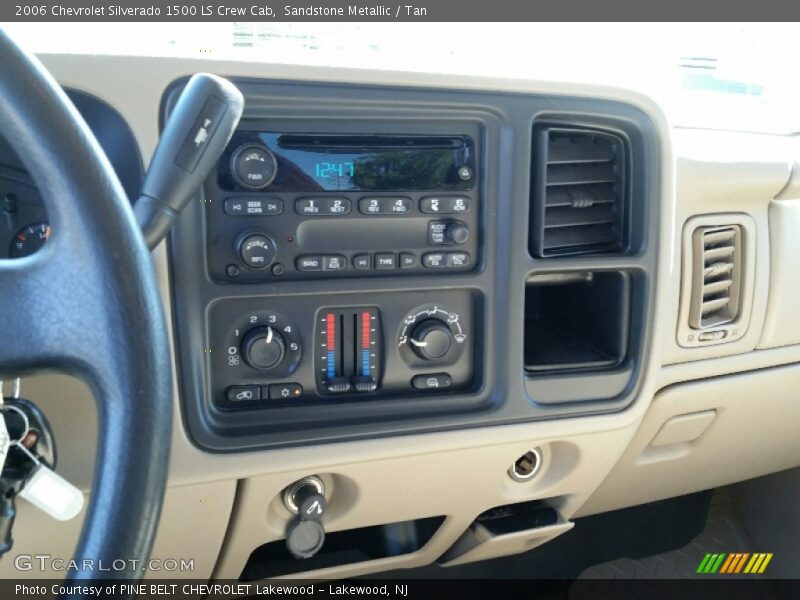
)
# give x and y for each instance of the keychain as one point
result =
(5, 439)
(48, 491)
(29, 458)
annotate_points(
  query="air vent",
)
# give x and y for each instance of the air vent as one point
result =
(578, 191)
(716, 276)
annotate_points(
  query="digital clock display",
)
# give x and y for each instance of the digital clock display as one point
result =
(330, 163)
(335, 169)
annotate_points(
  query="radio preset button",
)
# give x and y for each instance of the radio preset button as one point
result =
(431, 205)
(334, 263)
(362, 262)
(385, 205)
(309, 263)
(444, 205)
(458, 204)
(407, 260)
(458, 259)
(317, 207)
(384, 260)
(253, 206)
(257, 251)
(434, 260)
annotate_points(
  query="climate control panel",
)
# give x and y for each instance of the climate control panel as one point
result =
(290, 351)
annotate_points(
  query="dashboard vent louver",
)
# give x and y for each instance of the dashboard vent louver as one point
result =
(578, 190)
(716, 275)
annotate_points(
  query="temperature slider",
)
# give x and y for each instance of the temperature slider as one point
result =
(350, 355)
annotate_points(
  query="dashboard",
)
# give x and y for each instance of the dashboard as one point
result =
(365, 275)
(407, 285)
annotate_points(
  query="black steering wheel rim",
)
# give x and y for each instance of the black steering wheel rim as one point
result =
(88, 304)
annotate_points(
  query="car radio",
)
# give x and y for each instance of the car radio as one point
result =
(289, 206)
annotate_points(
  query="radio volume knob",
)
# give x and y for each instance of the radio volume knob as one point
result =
(253, 166)
(263, 348)
(431, 339)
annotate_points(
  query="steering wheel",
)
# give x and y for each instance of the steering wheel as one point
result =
(87, 303)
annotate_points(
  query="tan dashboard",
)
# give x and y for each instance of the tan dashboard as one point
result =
(704, 416)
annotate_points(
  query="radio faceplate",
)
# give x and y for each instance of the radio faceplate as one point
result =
(311, 206)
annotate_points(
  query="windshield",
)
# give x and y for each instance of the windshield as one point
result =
(723, 76)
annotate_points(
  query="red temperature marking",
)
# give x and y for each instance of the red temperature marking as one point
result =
(331, 333)
(365, 330)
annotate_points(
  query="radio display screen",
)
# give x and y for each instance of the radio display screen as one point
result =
(330, 163)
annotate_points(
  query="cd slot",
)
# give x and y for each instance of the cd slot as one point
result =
(367, 142)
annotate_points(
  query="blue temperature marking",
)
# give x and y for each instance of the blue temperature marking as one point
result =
(331, 365)
(365, 363)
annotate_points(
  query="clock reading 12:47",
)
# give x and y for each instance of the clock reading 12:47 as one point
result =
(335, 169)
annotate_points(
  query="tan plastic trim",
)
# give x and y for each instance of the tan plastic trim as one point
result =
(478, 543)
(754, 433)
(782, 323)
(690, 334)
(423, 475)
(720, 172)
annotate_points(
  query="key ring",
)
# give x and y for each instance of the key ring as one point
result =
(25, 420)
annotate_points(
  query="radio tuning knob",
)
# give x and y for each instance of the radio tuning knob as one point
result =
(431, 339)
(256, 250)
(263, 348)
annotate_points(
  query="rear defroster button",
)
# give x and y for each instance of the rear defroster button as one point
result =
(431, 381)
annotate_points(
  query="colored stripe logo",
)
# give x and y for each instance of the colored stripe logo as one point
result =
(734, 563)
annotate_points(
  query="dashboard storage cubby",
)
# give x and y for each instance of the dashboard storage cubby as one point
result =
(507, 530)
(343, 548)
(576, 320)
